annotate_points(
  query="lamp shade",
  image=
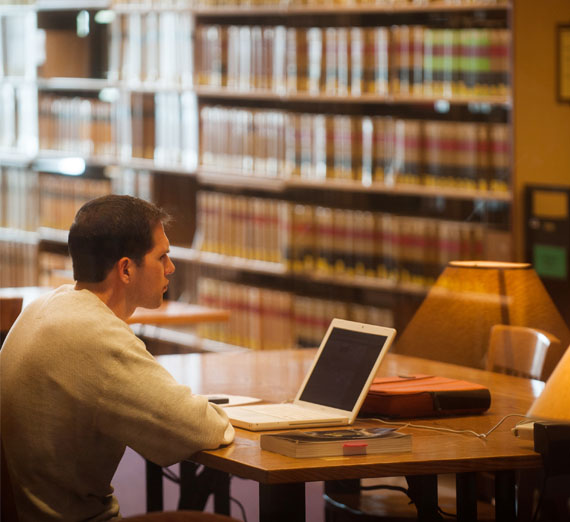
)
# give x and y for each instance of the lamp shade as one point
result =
(554, 401)
(454, 321)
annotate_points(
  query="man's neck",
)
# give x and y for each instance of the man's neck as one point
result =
(115, 299)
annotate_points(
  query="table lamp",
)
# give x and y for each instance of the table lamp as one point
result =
(554, 401)
(453, 322)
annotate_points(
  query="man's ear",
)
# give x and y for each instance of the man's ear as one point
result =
(124, 269)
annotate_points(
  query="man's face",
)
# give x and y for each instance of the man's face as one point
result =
(152, 274)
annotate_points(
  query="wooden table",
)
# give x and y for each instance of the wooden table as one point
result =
(275, 376)
(169, 313)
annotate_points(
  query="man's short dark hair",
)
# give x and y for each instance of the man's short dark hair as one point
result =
(109, 228)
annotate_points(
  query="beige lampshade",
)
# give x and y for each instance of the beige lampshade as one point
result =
(554, 401)
(454, 321)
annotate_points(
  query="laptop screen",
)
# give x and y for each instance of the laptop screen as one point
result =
(343, 367)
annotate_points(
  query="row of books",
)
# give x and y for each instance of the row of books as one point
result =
(323, 240)
(160, 126)
(19, 199)
(18, 263)
(176, 129)
(18, 45)
(408, 60)
(77, 125)
(246, 227)
(265, 319)
(390, 247)
(365, 149)
(312, 317)
(152, 47)
(54, 269)
(23, 264)
(133, 182)
(18, 118)
(61, 197)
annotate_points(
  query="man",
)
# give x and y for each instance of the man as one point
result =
(78, 386)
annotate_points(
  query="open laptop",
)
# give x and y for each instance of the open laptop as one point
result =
(335, 386)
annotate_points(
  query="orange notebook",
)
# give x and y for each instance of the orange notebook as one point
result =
(424, 396)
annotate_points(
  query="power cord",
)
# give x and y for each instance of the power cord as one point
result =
(445, 513)
(448, 430)
(241, 508)
(405, 491)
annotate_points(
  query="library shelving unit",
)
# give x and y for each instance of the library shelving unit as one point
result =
(320, 159)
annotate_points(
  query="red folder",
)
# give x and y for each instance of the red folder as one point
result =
(424, 396)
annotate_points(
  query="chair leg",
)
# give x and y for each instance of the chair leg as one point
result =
(196, 487)
(423, 491)
(505, 498)
(154, 490)
(466, 486)
(527, 485)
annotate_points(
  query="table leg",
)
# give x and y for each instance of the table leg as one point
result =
(466, 497)
(222, 494)
(154, 496)
(282, 502)
(422, 489)
(505, 496)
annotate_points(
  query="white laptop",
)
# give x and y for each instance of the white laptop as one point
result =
(335, 386)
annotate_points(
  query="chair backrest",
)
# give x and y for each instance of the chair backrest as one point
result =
(7, 503)
(10, 308)
(518, 350)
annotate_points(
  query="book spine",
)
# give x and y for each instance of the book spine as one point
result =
(417, 60)
(315, 59)
(357, 61)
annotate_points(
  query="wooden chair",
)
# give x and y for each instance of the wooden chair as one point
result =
(10, 308)
(518, 350)
(7, 504)
(8, 511)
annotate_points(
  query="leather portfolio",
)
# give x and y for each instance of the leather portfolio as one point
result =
(424, 396)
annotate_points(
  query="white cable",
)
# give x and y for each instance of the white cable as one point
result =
(449, 430)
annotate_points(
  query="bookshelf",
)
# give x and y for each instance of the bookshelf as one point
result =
(312, 153)
(337, 138)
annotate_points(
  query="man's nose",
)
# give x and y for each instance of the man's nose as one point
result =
(170, 268)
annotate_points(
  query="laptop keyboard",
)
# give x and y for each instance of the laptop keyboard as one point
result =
(283, 411)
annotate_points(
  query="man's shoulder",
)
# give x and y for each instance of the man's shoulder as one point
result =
(75, 314)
